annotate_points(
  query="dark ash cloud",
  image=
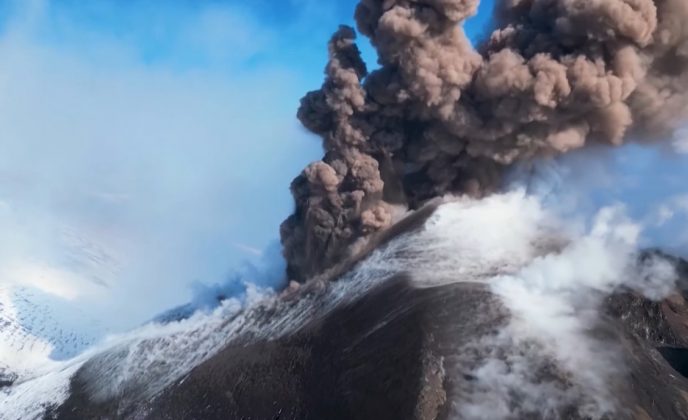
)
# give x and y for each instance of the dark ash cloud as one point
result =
(440, 116)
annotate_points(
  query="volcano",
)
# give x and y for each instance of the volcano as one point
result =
(423, 281)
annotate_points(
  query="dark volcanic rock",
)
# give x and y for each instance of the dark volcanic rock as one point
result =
(378, 358)
(655, 340)
(7, 377)
(403, 352)
(399, 352)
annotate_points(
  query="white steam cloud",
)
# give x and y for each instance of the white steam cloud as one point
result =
(556, 298)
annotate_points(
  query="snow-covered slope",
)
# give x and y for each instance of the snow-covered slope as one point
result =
(41, 345)
(34, 321)
(20, 351)
(36, 334)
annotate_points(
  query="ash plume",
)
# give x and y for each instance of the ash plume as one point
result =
(440, 116)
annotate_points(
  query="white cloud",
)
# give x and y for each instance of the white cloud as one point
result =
(157, 170)
(52, 280)
(251, 250)
(680, 141)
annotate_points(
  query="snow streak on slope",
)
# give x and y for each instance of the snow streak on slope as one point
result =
(20, 351)
(25, 359)
(61, 324)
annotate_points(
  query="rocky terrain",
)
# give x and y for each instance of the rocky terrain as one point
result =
(401, 352)
(378, 341)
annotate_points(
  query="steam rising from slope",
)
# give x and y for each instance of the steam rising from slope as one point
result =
(551, 277)
(440, 116)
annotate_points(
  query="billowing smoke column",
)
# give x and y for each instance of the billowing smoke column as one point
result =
(440, 116)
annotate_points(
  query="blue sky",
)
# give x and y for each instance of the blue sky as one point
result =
(187, 34)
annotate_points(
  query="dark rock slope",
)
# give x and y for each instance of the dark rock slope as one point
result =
(400, 352)
(377, 358)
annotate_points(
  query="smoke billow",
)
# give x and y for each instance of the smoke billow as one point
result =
(440, 116)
